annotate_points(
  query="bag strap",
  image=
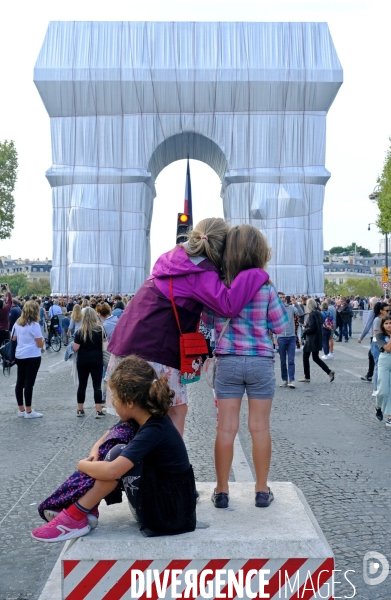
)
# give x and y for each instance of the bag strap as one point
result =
(222, 333)
(174, 307)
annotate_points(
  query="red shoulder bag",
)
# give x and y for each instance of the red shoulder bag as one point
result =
(191, 348)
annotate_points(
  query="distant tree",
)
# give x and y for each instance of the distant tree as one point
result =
(384, 198)
(8, 175)
(354, 248)
(337, 250)
(354, 287)
(351, 248)
(330, 288)
(21, 286)
(38, 288)
(17, 282)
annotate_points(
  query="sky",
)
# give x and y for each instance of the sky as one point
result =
(358, 123)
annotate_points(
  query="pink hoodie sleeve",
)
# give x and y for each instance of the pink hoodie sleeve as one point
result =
(208, 289)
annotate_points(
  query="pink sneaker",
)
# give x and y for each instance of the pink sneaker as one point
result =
(61, 528)
(92, 516)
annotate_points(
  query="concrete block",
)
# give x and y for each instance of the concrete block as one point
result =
(246, 552)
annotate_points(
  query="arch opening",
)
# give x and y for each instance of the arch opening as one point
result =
(191, 145)
(170, 189)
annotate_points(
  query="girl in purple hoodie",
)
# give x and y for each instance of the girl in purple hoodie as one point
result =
(148, 327)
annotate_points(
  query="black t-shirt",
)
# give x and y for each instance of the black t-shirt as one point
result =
(90, 351)
(160, 443)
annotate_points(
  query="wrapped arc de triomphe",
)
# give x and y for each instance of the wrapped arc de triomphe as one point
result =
(126, 99)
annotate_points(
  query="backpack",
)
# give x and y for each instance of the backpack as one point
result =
(328, 323)
(7, 352)
(54, 323)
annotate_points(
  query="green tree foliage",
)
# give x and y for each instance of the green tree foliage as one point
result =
(349, 249)
(337, 250)
(20, 285)
(354, 287)
(8, 175)
(384, 198)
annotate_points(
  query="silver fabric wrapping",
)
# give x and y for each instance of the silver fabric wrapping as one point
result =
(126, 99)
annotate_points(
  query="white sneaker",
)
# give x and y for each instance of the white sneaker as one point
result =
(324, 357)
(374, 393)
(331, 355)
(21, 413)
(33, 415)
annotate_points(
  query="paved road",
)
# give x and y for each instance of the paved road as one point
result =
(326, 440)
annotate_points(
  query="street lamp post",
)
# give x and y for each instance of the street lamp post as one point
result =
(374, 197)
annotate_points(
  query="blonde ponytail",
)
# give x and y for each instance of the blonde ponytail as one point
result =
(208, 239)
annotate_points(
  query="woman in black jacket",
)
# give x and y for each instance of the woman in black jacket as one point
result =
(313, 341)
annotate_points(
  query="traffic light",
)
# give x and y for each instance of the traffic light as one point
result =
(182, 226)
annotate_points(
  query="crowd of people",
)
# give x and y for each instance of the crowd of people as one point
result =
(138, 346)
(29, 321)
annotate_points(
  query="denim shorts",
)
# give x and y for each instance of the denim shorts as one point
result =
(238, 374)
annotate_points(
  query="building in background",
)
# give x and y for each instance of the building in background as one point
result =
(34, 269)
(340, 272)
(339, 267)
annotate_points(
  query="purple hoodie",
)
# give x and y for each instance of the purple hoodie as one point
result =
(148, 327)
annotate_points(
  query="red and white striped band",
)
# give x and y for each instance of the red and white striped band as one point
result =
(198, 579)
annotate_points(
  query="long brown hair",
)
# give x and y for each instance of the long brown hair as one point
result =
(208, 239)
(246, 247)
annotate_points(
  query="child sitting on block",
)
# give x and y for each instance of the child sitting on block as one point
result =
(154, 467)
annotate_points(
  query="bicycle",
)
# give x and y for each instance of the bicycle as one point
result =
(53, 340)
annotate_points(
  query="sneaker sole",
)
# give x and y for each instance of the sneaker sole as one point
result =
(51, 514)
(81, 415)
(68, 536)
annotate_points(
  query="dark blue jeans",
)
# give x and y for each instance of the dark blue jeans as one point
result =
(343, 332)
(326, 335)
(287, 346)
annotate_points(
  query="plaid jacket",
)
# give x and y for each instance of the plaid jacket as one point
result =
(249, 332)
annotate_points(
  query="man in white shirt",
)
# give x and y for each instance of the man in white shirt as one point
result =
(55, 309)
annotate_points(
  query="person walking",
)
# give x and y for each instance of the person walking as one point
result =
(29, 341)
(333, 311)
(5, 308)
(313, 342)
(109, 321)
(383, 398)
(245, 363)
(381, 309)
(345, 316)
(15, 313)
(368, 328)
(327, 330)
(65, 329)
(88, 345)
(287, 341)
